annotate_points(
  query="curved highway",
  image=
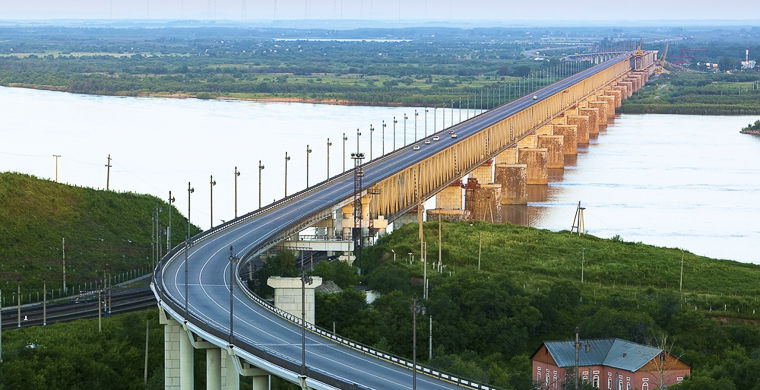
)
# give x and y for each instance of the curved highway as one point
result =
(262, 335)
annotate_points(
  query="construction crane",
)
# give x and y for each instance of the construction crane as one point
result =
(662, 59)
(639, 52)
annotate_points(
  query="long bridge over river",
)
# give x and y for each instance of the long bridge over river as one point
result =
(204, 304)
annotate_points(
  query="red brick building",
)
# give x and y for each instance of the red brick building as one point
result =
(608, 364)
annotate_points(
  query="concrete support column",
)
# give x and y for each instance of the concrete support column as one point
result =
(569, 135)
(535, 159)
(508, 156)
(484, 172)
(347, 222)
(214, 368)
(186, 362)
(230, 376)
(261, 382)
(287, 295)
(555, 157)
(529, 141)
(513, 179)
(450, 198)
(483, 201)
(172, 333)
(628, 86)
(593, 119)
(581, 125)
(619, 93)
(601, 105)
(610, 100)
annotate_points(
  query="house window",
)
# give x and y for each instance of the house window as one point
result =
(645, 386)
(627, 385)
(596, 381)
(538, 374)
(547, 378)
(609, 383)
(679, 379)
(620, 384)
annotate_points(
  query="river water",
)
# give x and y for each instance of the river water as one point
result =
(680, 181)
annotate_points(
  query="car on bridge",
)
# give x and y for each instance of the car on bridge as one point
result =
(416, 147)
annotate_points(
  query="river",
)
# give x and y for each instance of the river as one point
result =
(680, 181)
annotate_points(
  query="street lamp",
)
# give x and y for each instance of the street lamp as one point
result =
(383, 136)
(394, 132)
(344, 151)
(56, 166)
(287, 158)
(414, 342)
(426, 112)
(371, 130)
(304, 281)
(405, 118)
(308, 152)
(212, 183)
(190, 190)
(358, 134)
(416, 114)
(169, 228)
(435, 119)
(237, 173)
(328, 157)
(233, 259)
(261, 168)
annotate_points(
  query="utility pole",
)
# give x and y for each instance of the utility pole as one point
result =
(308, 152)
(18, 301)
(233, 259)
(56, 166)
(261, 168)
(287, 158)
(328, 157)
(237, 174)
(414, 342)
(63, 255)
(108, 172)
(212, 183)
(680, 282)
(430, 340)
(439, 242)
(169, 228)
(44, 303)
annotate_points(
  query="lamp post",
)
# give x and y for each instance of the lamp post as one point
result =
(169, 228)
(394, 132)
(383, 137)
(426, 111)
(237, 174)
(233, 259)
(416, 114)
(308, 152)
(405, 118)
(56, 170)
(358, 134)
(344, 151)
(328, 157)
(371, 130)
(435, 119)
(287, 158)
(261, 168)
(190, 190)
(212, 183)
(414, 342)
(304, 281)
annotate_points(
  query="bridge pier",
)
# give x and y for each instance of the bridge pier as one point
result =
(172, 334)
(593, 119)
(287, 295)
(483, 173)
(535, 159)
(230, 379)
(214, 368)
(513, 179)
(581, 123)
(483, 201)
(602, 113)
(569, 135)
(555, 158)
(610, 100)
(186, 361)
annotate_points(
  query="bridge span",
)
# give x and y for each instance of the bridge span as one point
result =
(202, 298)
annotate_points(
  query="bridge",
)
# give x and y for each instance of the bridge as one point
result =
(204, 303)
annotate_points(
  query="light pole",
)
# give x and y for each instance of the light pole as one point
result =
(414, 342)
(190, 190)
(416, 114)
(394, 132)
(261, 168)
(383, 137)
(371, 130)
(405, 118)
(426, 111)
(233, 259)
(308, 152)
(169, 228)
(56, 170)
(344, 151)
(358, 134)
(63, 255)
(287, 158)
(237, 174)
(304, 281)
(435, 119)
(211, 184)
(328, 157)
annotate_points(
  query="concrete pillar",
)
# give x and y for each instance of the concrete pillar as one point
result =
(529, 141)
(619, 93)
(214, 368)
(485, 203)
(555, 157)
(535, 159)
(569, 135)
(628, 86)
(261, 382)
(230, 376)
(601, 105)
(483, 173)
(508, 156)
(593, 119)
(172, 333)
(186, 362)
(287, 295)
(610, 100)
(450, 198)
(513, 179)
(347, 222)
(581, 125)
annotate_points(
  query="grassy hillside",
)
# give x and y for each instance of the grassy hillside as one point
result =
(487, 322)
(99, 227)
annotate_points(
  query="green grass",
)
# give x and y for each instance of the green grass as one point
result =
(100, 227)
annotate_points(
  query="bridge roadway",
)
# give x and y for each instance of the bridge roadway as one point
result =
(266, 339)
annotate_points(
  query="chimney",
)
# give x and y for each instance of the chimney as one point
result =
(746, 55)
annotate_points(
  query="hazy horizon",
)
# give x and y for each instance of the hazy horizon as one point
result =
(481, 11)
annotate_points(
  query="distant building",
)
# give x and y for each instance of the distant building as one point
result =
(609, 364)
(749, 64)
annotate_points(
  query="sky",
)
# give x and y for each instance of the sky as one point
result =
(391, 10)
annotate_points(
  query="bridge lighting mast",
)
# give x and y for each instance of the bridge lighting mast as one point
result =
(308, 152)
(344, 151)
(356, 232)
(358, 134)
(212, 183)
(426, 112)
(371, 131)
(394, 133)
(434, 119)
(237, 174)
(233, 259)
(405, 118)
(328, 160)
(169, 228)
(416, 114)
(287, 158)
(383, 137)
(304, 281)
(190, 190)
(261, 168)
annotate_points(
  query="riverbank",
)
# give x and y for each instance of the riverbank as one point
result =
(752, 132)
